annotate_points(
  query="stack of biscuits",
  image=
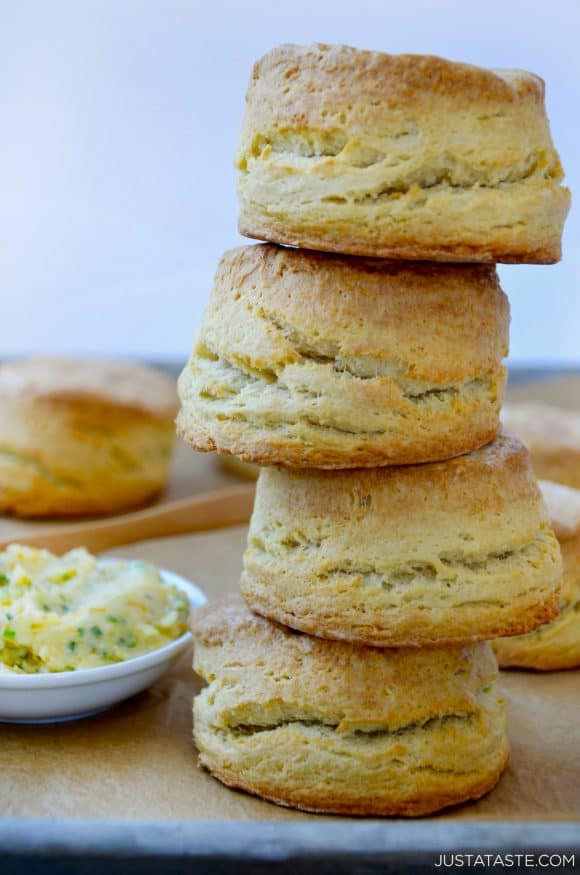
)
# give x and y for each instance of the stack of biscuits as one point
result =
(396, 530)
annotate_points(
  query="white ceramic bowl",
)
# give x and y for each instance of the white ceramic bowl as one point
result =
(69, 695)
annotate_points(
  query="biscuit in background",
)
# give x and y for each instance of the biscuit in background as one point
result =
(419, 555)
(312, 360)
(83, 436)
(399, 156)
(555, 645)
(329, 727)
(233, 465)
(552, 435)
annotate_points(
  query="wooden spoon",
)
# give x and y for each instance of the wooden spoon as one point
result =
(210, 510)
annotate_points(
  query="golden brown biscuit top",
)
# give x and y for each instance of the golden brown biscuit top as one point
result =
(228, 617)
(272, 672)
(563, 505)
(120, 383)
(268, 301)
(229, 620)
(339, 88)
(491, 478)
(543, 427)
(393, 78)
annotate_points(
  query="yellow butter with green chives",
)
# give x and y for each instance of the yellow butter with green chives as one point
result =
(61, 613)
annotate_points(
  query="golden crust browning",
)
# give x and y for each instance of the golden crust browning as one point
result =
(377, 83)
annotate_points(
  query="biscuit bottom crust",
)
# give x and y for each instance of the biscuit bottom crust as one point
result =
(430, 224)
(439, 628)
(311, 447)
(410, 772)
(258, 227)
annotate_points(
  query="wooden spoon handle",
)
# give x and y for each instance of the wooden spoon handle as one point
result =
(211, 510)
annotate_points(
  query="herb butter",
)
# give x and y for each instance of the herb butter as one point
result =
(61, 613)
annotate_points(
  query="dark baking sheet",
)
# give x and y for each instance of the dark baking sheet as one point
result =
(332, 848)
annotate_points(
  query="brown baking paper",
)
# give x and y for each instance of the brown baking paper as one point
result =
(138, 759)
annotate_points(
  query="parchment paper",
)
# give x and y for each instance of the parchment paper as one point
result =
(138, 759)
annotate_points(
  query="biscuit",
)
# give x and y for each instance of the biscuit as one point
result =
(552, 435)
(449, 552)
(326, 726)
(555, 645)
(233, 465)
(399, 156)
(312, 360)
(82, 436)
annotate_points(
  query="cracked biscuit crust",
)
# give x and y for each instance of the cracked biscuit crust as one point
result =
(422, 555)
(305, 359)
(82, 437)
(399, 156)
(326, 726)
(555, 645)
